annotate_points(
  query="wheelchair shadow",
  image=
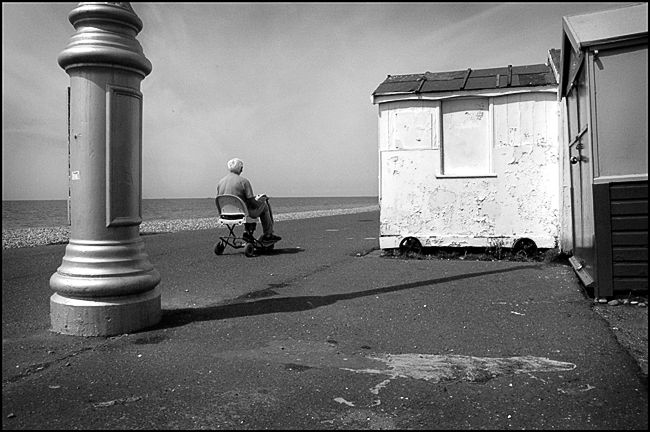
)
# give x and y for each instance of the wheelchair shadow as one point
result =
(282, 251)
(239, 307)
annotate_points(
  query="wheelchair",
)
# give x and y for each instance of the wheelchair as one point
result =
(233, 213)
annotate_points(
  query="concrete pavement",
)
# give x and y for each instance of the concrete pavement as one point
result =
(323, 333)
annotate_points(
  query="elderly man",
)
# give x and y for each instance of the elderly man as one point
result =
(258, 206)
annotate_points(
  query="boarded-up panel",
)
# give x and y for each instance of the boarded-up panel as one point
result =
(410, 129)
(466, 144)
(412, 125)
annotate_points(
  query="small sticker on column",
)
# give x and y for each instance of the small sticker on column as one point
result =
(75, 175)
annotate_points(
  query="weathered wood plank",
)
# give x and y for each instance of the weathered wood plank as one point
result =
(634, 270)
(622, 254)
(629, 191)
(630, 238)
(630, 285)
(630, 223)
(637, 207)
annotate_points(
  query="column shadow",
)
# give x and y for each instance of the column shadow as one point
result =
(237, 308)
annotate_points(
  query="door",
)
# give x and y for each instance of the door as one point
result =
(580, 157)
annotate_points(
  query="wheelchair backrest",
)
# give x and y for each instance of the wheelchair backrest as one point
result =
(231, 207)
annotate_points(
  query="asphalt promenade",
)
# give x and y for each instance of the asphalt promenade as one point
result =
(323, 333)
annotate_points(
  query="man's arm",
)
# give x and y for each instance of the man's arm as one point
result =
(252, 201)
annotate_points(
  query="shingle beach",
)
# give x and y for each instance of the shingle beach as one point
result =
(39, 236)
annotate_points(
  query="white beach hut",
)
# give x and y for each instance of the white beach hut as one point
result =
(469, 158)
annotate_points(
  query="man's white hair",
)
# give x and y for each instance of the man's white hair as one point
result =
(235, 164)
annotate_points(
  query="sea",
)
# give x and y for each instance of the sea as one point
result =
(37, 213)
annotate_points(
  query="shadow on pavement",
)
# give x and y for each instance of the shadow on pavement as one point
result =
(180, 317)
(283, 251)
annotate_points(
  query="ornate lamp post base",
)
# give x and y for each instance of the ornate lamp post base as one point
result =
(104, 288)
(105, 285)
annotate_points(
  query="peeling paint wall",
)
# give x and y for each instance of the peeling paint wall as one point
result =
(519, 198)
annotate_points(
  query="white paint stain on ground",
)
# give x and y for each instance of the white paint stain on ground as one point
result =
(437, 368)
(343, 401)
(427, 367)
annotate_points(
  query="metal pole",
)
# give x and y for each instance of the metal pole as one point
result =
(105, 284)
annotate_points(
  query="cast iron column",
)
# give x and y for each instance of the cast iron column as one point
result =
(105, 284)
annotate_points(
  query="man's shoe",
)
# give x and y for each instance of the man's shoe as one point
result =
(271, 237)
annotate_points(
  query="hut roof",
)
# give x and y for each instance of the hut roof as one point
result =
(590, 31)
(469, 79)
(606, 26)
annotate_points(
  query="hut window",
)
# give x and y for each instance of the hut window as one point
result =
(465, 137)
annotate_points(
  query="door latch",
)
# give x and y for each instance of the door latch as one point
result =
(575, 159)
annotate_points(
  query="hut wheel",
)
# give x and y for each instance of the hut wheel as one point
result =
(525, 247)
(410, 244)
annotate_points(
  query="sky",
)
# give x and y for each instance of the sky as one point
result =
(286, 87)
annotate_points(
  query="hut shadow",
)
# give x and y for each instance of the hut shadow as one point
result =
(239, 307)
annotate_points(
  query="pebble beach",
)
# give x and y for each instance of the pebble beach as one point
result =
(40, 236)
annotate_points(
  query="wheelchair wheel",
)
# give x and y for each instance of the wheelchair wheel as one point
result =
(249, 250)
(219, 247)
